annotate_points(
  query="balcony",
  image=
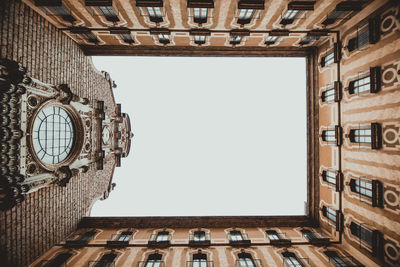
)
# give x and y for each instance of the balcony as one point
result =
(298, 262)
(118, 240)
(256, 263)
(281, 239)
(151, 263)
(239, 242)
(199, 242)
(155, 242)
(315, 238)
(199, 264)
(344, 261)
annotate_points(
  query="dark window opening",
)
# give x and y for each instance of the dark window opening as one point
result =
(154, 260)
(59, 260)
(290, 259)
(271, 40)
(245, 260)
(106, 260)
(55, 8)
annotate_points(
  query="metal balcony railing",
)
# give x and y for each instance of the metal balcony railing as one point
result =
(151, 263)
(282, 239)
(256, 263)
(304, 262)
(199, 241)
(76, 241)
(344, 261)
(199, 264)
(158, 242)
(100, 264)
(119, 240)
(240, 240)
(316, 238)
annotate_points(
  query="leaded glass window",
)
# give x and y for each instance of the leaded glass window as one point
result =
(329, 176)
(362, 187)
(360, 85)
(328, 95)
(53, 135)
(245, 16)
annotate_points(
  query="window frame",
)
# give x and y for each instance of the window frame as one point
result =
(335, 178)
(104, 8)
(55, 8)
(373, 132)
(246, 7)
(371, 240)
(375, 199)
(192, 5)
(151, 9)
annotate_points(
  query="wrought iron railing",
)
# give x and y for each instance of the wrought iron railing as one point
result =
(345, 261)
(199, 264)
(244, 237)
(304, 262)
(151, 263)
(256, 263)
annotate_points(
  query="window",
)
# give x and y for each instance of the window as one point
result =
(154, 260)
(328, 59)
(59, 260)
(235, 40)
(55, 8)
(125, 236)
(328, 95)
(103, 8)
(332, 135)
(329, 213)
(163, 38)
(200, 260)
(294, 10)
(368, 34)
(245, 16)
(245, 260)
(308, 39)
(155, 14)
(247, 10)
(343, 10)
(272, 235)
(200, 15)
(199, 236)
(162, 236)
(86, 237)
(85, 32)
(199, 39)
(53, 135)
(153, 9)
(236, 235)
(314, 237)
(271, 40)
(372, 239)
(359, 41)
(290, 260)
(365, 84)
(329, 135)
(329, 176)
(367, 135)
(368, 188)
(277, 238)
(106, 260)
(340, 261)
(127, 38)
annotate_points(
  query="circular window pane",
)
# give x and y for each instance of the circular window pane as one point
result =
(53, 135)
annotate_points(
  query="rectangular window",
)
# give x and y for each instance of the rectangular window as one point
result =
(200, 15)
(245, 16)
(329, 213)
(290, 260)
(162, 236)
(341, 261)
(328, 95)
(329, 176)
(328, 59)
(127, 38)
(235, 40)
(155, 14)
(247, 10)
(367, 136)
(289, 17)
(343, 10)
(367, 34)
(367, 84)
(329, 135)
(271, 40)
(359, 41)
(360, 136)
(199, 39)
(55, 8)
(199, 236)
(163, 38)
(103, 8)
(125, 236)
(236, 236)
(314, 237)
(371, 239)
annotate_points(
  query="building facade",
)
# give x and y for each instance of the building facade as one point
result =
(353, 53)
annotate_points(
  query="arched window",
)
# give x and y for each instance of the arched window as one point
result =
(200, 260)
(154, 260)
(290, 260)
(59, 260)
(245, 260)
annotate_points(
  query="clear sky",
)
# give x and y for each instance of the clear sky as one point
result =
(213, 136)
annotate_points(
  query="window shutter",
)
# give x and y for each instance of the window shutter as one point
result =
(375, 75)
(337, 52)
(338, 91)
(374, 30)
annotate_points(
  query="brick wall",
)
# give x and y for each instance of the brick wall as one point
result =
(46, 217)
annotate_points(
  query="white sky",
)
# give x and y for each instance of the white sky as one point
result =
(213, 136)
